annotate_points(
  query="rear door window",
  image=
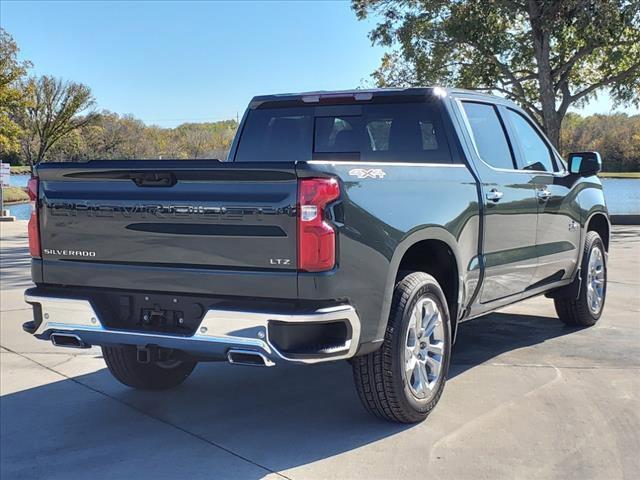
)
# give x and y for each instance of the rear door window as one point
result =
(489, 135)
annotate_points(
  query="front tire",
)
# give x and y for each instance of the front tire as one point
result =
(586, 308)
(403, 380)
(122, 361)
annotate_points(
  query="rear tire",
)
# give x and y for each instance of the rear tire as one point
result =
(586, 308)
(404, 379)
(122, 361)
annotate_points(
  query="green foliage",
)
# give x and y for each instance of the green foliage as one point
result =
(616, 137)
(200, 140)
(547, 55)
(12, 96)
(55, 109)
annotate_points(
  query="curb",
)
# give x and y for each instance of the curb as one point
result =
(625, 219)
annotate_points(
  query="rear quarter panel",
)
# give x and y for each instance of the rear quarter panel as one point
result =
(380, 218)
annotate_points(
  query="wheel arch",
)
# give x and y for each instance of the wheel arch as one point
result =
(599, 222)
(424, 250)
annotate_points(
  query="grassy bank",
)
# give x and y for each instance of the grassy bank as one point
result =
(619, 174)
(20, 169)
(14, 195)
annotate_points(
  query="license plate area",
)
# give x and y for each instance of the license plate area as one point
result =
(158, 313)
(161, 319)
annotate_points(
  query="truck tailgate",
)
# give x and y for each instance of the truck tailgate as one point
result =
(167, 216)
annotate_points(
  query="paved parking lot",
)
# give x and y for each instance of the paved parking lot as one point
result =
(527, 398)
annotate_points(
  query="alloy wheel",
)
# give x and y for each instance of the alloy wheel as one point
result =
(424, 348)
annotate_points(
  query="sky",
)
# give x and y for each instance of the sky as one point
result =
(173, 62)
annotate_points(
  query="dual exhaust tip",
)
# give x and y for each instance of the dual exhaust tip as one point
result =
(236, 357)
(249, 357)
(67, 340)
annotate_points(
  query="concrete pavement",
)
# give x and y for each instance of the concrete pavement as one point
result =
(527, 397)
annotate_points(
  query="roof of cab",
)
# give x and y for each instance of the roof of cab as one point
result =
(367, 94)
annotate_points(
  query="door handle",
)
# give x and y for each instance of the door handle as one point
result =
(494, 195)
(543, 194)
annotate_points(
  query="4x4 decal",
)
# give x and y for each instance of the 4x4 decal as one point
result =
(367, 172)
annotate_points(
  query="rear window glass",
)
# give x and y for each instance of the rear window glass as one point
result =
(407, 132)
(276, 135)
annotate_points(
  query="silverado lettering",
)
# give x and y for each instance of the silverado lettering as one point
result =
(161, 211)
(68, 253)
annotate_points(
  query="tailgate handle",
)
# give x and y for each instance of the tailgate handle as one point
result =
(154, 179)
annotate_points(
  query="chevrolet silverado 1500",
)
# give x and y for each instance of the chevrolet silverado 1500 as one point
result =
(360, 225)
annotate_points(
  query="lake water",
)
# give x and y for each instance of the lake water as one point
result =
(21, 211)
(622, 195)
(18, 180)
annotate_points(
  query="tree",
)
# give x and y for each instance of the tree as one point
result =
(12, 97)
(196, 139)
(223, 134)
(55, 109)
(546, 55)
(130, 134)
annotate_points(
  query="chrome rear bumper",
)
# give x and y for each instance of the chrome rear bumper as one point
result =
(219, 332)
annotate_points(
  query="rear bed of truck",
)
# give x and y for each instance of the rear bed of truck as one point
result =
(187, 226)
(195, 255)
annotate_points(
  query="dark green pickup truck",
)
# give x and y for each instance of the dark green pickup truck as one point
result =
(361, 225)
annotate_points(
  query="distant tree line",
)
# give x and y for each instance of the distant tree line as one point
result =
(110, 136)
(616, 137)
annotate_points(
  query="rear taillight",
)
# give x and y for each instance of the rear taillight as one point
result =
(34, 226)
(316, 238)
